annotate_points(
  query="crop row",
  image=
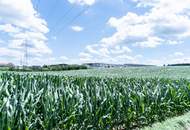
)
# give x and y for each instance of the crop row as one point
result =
(60, 102)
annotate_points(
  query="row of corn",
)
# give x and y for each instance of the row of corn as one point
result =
(50, 102)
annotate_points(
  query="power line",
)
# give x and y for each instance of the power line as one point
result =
(73, 19)
(64, 15)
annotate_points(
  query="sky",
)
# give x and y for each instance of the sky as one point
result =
(82, 31)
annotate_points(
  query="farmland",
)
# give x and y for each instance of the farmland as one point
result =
(133, 72)
(124, 98)
(129, 72)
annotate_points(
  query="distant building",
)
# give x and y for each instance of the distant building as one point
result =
(104, 65)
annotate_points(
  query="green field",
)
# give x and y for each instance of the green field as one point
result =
(129, 72)
(94, 99)
(176, 123)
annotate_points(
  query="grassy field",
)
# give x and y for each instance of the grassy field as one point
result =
(98, 99)
(176, 123)
(129, 72)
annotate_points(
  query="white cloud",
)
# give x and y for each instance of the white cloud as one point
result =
(9, 28)
(93, 48)
(22, 14)
(85, 55)
(171, 42)
(145, 3)
(178, 54)
(64, 58)
(77, 28)
(54, 60)
(115, 54)
(151, 42)
(5, 52)
(174, 58)
(120, 50)
(166, 22)
(23, 25)
(82, 2)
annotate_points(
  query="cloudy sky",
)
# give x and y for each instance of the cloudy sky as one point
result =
(80, 31)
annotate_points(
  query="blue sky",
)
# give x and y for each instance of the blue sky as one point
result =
(80, 31)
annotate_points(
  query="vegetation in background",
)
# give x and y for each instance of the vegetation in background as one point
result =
(38, 101)
(57, 67)
(130, 72)
(60, 67)
(182, 64)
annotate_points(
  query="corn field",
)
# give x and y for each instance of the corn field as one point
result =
(56, 102)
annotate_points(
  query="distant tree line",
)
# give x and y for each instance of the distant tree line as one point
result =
(62, 67)
(182, 64)
(57, 67)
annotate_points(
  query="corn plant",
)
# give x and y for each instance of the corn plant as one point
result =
(53, 102)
